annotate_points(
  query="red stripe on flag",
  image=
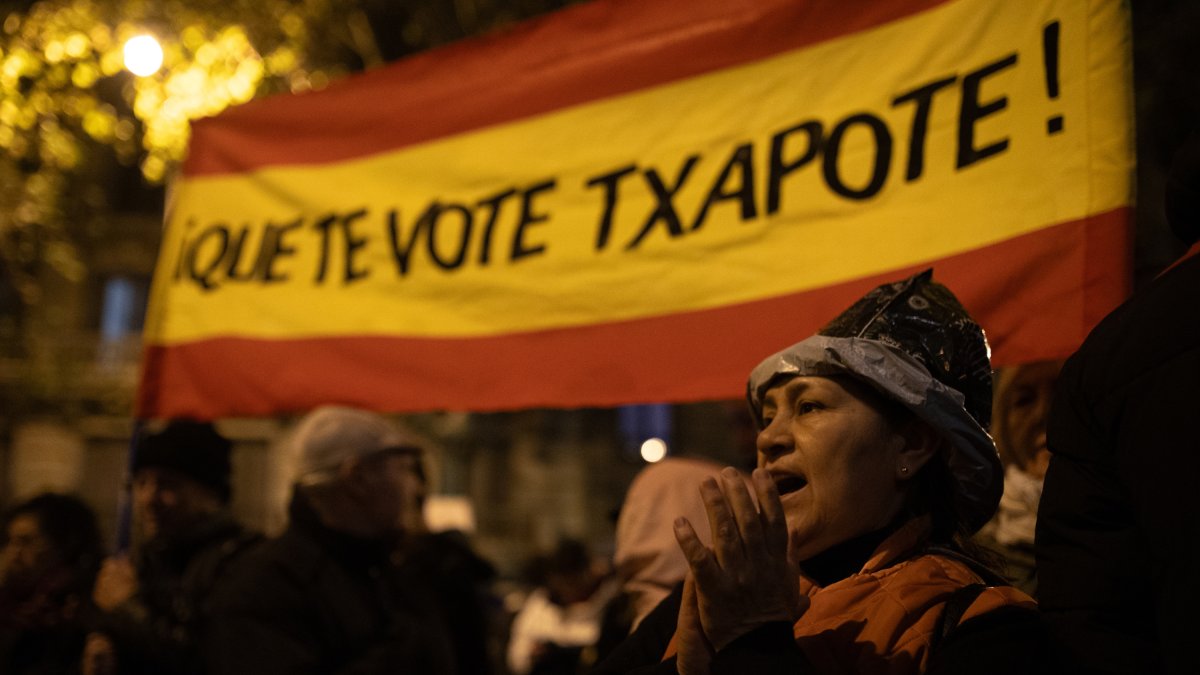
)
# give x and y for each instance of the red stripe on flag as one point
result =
(584, 53)
(1037, 295)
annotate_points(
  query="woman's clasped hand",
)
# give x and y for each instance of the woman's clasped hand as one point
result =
(747, 579)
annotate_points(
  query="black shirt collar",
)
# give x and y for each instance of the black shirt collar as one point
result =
(841, 560)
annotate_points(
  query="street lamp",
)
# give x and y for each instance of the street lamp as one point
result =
(143, 55)
(654, 450)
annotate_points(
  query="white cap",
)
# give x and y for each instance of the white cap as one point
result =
(330, 435)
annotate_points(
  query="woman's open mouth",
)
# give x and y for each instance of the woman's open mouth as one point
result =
(787, 483)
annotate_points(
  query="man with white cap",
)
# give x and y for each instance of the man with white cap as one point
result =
(333, 594)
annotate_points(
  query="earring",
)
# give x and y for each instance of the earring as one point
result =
(904, 469)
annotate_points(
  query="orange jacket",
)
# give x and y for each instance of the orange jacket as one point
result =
(882, 620)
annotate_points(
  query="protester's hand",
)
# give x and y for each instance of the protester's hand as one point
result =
(115, 584)
(99, 656)
(751, 576)
(694, 653)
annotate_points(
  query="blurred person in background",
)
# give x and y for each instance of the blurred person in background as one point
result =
(647, 558)
(557, 628)
(353, 584)
(49, 554)
(463, 583)
(153, 609)
(1019, 414)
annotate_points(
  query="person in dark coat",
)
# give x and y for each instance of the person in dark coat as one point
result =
(461, 581)
(153, 609)
(348, 587)
(49, 554)
(1118, 538)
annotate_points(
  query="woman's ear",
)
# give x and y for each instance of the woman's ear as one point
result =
(351, 473)
(920, 443)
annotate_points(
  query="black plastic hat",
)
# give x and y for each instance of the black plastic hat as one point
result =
(923, 319)
(913, 342)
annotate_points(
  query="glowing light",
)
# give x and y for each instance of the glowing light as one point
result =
(654, 449)
(77, 45)
(143, 55)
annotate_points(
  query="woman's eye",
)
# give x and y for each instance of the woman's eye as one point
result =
(806, 407)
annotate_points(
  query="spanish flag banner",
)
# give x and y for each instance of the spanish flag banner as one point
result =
(636, 200)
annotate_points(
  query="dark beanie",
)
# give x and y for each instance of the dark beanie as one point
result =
(194, 449)
(1183, 190)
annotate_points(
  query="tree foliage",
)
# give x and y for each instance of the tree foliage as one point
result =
(77, 129)
(65, 95)
(66, 98)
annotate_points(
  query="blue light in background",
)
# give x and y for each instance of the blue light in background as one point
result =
(637, 423)
(119, 310)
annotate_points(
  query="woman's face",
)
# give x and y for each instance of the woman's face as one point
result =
(1023, 414)
(834, 457)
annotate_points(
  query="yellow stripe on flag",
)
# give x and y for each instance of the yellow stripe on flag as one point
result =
(504, 229)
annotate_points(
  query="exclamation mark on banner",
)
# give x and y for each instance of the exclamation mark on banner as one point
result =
(1050, 58)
